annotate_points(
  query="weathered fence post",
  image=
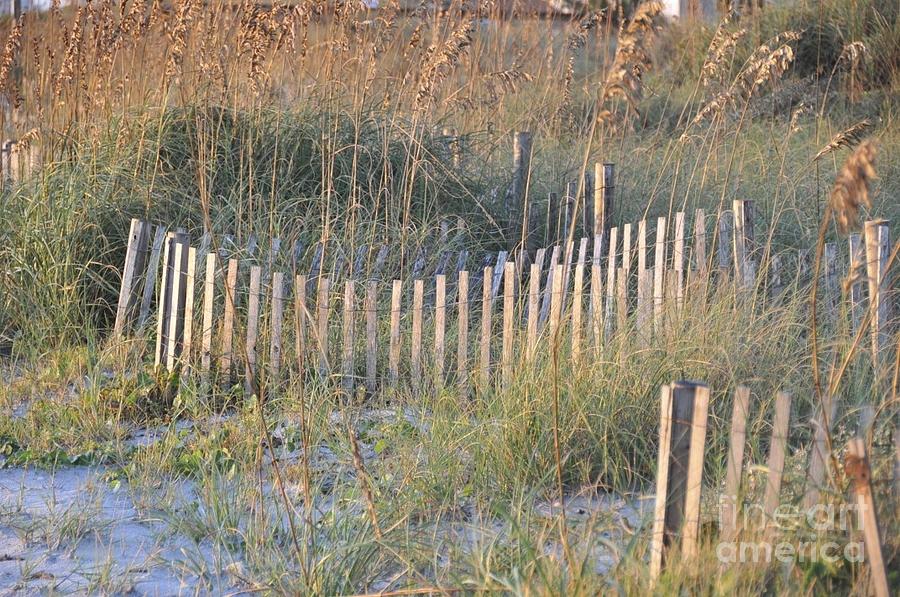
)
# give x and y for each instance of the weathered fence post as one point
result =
(509, 312)
(416, 343)
(252, 328)
(531, 328)
(610, 282)
(743, 243)
(209, 295)
(440, 326)
(276, 324)
(322, 298)
(724, 246)
(348, 337)
(301, 315)
(604, 199)
(857, 266)
(462, 346)
(659, 272)
(371, 334)
(683, 414)
(150, 279)
(517, 206)
(394, 349)
(486, 328)
(226, 355)
(856, 464)
(132, 273)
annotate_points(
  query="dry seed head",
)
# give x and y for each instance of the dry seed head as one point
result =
(849, 137)
(851, 187)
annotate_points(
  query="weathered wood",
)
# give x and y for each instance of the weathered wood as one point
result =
(509, 314)
(486, 309)
(569, 210)
(440, 327)
(556, 306)
(777, 446)
(548, 287)
(877, 239)
(596, 309)
(188, 333)
(152, 271)
(659, 272)
(394, 348)
(700, 243)
(517, 202)
(690, 542)
(626, 254)
(819, 455)
(209, 296)
(416, 344)
(856, 274)
(644, 313)
(322, 308)
(276, 325)
(856, 464)
(610, 282)
(462, 346)
(621, 301)
(226, 354)
(497, 277)
(604, 197)
(743, 243)
(659, 540)
(678, 259)
(176, 306)
(301, 319)
(348, 337)
(371, 335)
(577, 302)
(163, 304)
(534, 288)
(252, 328)
(135, 256)
(642, 247)
(724, 246)
(731, 498)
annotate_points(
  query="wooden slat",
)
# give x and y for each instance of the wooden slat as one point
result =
(642, 246)
(856, 464)
(659, 272)
(724, 247)
(152, 272)
(596, 309)
(440, 327)
(462, 346)
(877, 239)
(777, 447)
(556, 307)
(621, 301)
(690, 543)
(531, 329)
(509, 314)
(188, 333)
(176, 307)
(626, 252)
(348, 336)
(416, 350)
(577, 302)
(276, 325)
(322, 308)
(253, 309)
(498, 274)
(612, 258)
(135, 255)
(678, 259)
(734, 468)
(163, 303)
(548, 287)
(394, 349)
(226, 354)
(209, 296)
(658, 537)
(486, 327)
(301, 321)
(857, 272)
(570, 250)
(700, 242)
(819, 456)
(644, 314)
(371, 334)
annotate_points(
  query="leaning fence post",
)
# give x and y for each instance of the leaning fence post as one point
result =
(135, 256)
(683, 414)
(730, 501)
(856, 464)
(151, 272)
(877, 238)
(177, 296)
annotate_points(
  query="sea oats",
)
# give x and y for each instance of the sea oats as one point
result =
(851, 187)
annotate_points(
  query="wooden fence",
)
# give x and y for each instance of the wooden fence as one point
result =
(213, 307)
(679, 484)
